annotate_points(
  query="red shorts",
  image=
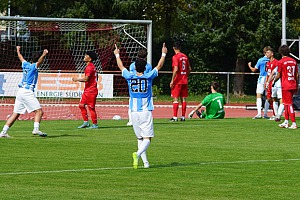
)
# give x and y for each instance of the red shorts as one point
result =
(287, 96)
(179, 90)
(88, 99)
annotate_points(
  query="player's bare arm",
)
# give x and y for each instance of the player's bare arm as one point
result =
(84, 79)
(119, 61)
(175, 70)
(193, 111)
(21, 58)
(253, 69)
(270, 78)
(41, 59)
(161, 61)
(276, 78)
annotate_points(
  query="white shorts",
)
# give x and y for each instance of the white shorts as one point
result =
(277, 92)
(26, 100)
(142, 123)
(260, 88)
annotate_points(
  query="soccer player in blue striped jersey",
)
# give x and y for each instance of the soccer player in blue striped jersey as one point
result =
(142, 54)
(260, 87)
(25, 98)
(141, 100)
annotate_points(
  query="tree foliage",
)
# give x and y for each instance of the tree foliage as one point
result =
(215, 34)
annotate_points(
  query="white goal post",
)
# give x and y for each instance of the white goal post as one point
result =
(67, 40)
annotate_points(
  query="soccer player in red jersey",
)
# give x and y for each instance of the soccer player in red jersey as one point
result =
(288, 72)
(270, 66)
(276, 92)
(90, 93)
(179, 83)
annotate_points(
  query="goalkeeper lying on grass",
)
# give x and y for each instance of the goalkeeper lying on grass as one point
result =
(213, 103)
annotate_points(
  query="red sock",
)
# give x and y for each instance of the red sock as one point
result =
(93, 115)
(183, 108)
(286, 112)
(175, 109)
(292, 113)
(84, 113)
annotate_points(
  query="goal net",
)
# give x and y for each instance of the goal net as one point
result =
(67, 41)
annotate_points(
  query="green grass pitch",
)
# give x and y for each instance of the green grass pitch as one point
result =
(195, 159)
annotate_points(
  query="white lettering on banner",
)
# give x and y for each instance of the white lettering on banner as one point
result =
(58, 85)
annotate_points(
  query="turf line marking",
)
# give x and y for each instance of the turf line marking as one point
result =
(122, 168)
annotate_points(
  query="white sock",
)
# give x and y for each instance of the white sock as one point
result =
(5, 128)
(275, 107)
(143, 147)
(267, 105)
(36, 126)
(280, 110)
(143, 155)
(258, 106)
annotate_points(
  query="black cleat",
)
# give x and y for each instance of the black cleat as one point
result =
(173, 120)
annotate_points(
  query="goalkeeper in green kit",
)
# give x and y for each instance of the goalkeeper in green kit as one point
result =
(213, 103)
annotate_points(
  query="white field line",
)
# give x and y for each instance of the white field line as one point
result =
(117, 105)
(123, 168)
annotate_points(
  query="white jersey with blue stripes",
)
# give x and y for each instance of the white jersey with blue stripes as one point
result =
(30, 76)
(140, 90)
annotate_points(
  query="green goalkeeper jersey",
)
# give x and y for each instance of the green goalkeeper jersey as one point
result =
(214, 104)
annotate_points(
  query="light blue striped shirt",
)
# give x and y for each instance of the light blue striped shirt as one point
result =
(30, 76)
(140, 90)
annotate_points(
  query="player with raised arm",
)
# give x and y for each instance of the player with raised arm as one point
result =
(142, 54)
(288, 72)
(90, 93)
(141, 101)
(25, 98)
(260, 87)
(213, 103)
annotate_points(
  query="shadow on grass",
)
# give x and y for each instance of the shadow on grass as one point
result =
(174, 164)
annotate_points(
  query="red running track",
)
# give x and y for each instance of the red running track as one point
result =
(107, 111)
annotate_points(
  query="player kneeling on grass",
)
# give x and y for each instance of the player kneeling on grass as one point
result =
(25, 98)
(213, 103)
(141, 102)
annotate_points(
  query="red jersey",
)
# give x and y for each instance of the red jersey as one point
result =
(288, 69)
(91, 84)
(270, 66)
(182, 62)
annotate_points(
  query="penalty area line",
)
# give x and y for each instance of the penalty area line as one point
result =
(157, 166)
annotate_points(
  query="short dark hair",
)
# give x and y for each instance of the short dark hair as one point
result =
(284, 50)
(92, 55)
(142, 53)
(177, 45)
(140, 65)
(35, 56)
(215, 85)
